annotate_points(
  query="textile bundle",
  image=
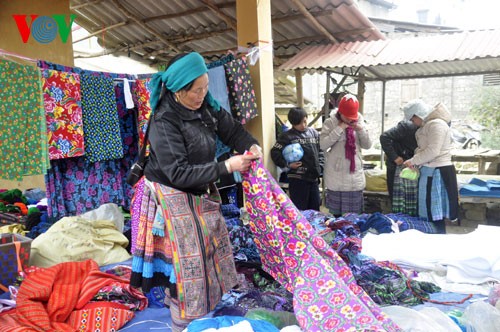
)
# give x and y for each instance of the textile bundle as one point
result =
(58, 299)
(326, 296)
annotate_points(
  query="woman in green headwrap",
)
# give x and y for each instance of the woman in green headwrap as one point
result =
(182, 242)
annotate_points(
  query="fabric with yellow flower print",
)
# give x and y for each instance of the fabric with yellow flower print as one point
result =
(326, 296)
(23, 137)
(63, 112)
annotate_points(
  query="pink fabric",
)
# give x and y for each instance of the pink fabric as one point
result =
(326, 296)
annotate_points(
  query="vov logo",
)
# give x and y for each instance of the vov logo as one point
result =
(44, 29)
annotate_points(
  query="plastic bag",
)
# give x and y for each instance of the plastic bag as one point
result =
(494, 295)
(481, 317)
(409, 174)
(428, 319)
(279, 319)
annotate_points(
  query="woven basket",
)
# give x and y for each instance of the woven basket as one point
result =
(14, 257)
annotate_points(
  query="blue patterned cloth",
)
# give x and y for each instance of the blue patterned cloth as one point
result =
(100, 119)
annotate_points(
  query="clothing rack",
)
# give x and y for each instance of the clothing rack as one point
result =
(122, 79)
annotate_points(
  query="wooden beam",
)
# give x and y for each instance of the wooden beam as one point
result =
(131, 16)
(314, 21)
(299, 88)
(111, 27)
(189, 12)
(297, 16)
(231, 22)
(85, 4)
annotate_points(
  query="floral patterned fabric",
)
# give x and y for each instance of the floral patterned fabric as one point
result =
(23, 138)
(85, 185)
(63, 112)
(326, 296)
(241, 92)
(141, 92)
(100, 119)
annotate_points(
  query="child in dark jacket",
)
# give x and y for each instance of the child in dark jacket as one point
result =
(303, 174)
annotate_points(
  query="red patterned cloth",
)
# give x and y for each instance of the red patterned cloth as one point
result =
(141, 92)
(63, 112)
(56, 299)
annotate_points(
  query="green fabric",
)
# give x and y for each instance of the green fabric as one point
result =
(23, 136)
(178, 75)
(33, 210)
(12, 196)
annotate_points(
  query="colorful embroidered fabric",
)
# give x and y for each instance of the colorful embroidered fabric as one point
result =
(95, 318)
(241, 92)
(198, 245)
(141, 92)
(100, 119)
(23, 136)
(63, 113)
(52, 299)
(326, 296)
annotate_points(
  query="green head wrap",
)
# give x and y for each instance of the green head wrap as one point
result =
(178, 75)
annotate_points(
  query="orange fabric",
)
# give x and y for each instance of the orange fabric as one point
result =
(47, 297)
(22, 207)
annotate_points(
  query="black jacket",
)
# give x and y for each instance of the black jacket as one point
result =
(182, 145)
(312, 161)
(399, 141)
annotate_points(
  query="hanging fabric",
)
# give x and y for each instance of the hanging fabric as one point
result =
(23, 137)
(100, 119)
(86, 185)
(63, 113)
(326, 296)
(141, 92)
(241, 91)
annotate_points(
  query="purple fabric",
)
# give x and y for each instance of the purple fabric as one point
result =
(326, 296)
(134, 209)
(350, 147)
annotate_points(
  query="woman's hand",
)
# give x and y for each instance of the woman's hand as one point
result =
(408, 163)
(357, 126)
(241, 162)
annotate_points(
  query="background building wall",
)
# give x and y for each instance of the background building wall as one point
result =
(55, 51)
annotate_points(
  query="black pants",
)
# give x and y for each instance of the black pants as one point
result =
(304, 194)
(391, 170)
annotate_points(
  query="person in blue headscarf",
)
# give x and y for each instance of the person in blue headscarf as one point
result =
(182, 242)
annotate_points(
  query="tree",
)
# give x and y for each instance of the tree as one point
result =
(486, 111)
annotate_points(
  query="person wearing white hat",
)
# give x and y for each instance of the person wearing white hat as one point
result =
(438, 188)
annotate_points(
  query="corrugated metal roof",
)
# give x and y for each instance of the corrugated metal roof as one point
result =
(146, 27)
(464, 53)
(156, 30)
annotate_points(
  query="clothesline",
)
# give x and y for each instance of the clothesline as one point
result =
(4, 53)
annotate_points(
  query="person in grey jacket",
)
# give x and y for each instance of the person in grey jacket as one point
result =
(303, 175)
(438, 188)
(342, 137)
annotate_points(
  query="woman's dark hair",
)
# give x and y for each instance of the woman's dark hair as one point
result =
(296, 115)
(179, 56)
